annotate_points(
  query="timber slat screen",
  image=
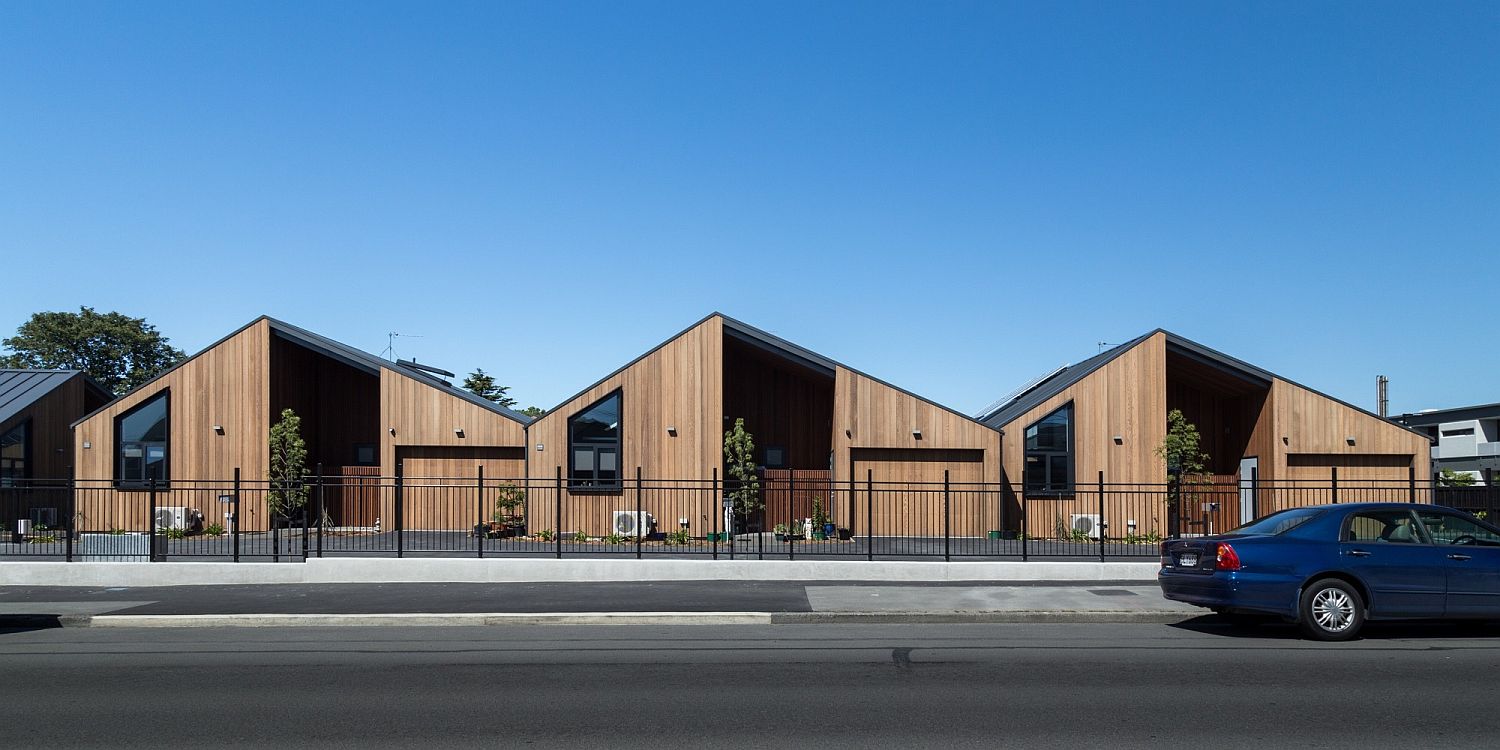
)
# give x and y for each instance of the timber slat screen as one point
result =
(351, 512)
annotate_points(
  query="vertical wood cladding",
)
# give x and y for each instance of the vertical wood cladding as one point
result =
(50, 418)
(339, 405)
(783, 404)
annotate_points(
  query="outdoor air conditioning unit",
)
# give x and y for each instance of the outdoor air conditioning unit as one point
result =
(171, 518)
(44, 517)
(1088, 523)
(632, 523)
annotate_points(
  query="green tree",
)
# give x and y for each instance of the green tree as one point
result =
(1180, 448)
(533, 411)
(483, 385)
(739, 459)
(119, 351)
(288, 465)
(1451, 478)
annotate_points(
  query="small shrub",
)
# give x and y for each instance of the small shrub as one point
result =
(214, 529)
(819, 514)
(779, 528)
(679, 536)
(116, 531)
(545, 535)
(580, 537)
(614, 539)
(174, 533)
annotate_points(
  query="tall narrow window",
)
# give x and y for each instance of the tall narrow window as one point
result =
(15, 452)
(1049, 452)
(594, 445)
(141, 438)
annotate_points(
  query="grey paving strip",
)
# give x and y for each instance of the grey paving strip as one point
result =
(908, 599)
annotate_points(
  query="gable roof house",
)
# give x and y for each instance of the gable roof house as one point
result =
(822, 431)
(361, 415)
(1108, 414)
(36, 408)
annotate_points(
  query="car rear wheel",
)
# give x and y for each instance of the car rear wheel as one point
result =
(1331, 610)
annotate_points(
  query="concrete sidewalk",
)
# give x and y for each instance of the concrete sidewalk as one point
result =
(708, 603)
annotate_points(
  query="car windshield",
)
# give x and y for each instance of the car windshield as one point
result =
(1278, 523)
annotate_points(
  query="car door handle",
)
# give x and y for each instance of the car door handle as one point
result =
(1456, 556)
(1357, 553)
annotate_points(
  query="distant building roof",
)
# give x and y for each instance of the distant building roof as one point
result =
(1455, 414)
(19, 389)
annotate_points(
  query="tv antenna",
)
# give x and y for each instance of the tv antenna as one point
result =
(1101, 345)
(390, 347)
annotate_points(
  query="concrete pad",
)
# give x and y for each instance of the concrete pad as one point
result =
(417, 619)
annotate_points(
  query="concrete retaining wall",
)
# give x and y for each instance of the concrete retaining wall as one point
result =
(506, 570)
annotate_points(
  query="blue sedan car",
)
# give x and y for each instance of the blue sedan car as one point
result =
(1330, 568)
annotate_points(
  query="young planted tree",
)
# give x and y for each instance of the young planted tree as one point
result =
(1180, 448)
(739, 461)
(1451, 478)
(119, 351)
(482, 384)
(288, 466)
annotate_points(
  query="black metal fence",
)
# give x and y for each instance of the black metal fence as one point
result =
(235, 520)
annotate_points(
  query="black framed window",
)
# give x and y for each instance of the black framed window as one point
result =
(15, 455)
(142, 437)
(594, 445)
(1049, 453)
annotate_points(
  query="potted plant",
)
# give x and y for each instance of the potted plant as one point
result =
(821, 527)
(781, 532)
(507, 518)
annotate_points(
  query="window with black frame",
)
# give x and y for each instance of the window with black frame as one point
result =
(1049, 453)
(594, 446)
(15, 449)
(141, 440)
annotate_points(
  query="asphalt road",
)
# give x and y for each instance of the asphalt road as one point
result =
(779, 686)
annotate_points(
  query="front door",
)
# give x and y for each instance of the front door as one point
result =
(1248, 466)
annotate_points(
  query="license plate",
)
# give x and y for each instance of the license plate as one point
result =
(1187, 560)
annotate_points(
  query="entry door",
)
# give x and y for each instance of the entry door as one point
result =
(1248, 466)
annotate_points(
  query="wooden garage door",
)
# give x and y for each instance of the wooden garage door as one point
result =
(908, 490)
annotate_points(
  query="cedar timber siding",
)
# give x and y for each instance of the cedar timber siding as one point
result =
(52, 447)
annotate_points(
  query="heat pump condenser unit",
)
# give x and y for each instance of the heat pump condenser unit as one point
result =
(171, 518)
(1087, 523)
(634, 524)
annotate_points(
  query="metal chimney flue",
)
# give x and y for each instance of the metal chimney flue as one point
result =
(1382, 399)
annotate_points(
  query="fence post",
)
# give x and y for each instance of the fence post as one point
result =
(71, 525)
(557, 535)
(276, 530)
(947, 521)
(640, 517)
(791, 510)
(716, 510)
(870, 514)
(322, 508)
(1254, 492)
(480, 527)
(853, 512)
(1334, 480)
(1174, 507)
(151, 484)
(1411, 482)
(1025, 519)
(399, 509)
(236, 516)
(1103, 527)
(304, 521)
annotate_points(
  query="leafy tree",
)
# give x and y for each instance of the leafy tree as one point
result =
(288, 465)
(1180, 447)
(119, 351)
(1451, 478)
(533, 411)
(482, 384)
(739, 458)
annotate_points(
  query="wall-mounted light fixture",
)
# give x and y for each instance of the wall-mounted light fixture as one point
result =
(1349, 440)
(391, 430)
(1286, 440)
(218, 429)
(916, 432)
(671, 430)
(87, 445)
(540, 447)
(1119, 440)
(848, 433)
(459, 431)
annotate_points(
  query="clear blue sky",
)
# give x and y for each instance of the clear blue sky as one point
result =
(955, 197)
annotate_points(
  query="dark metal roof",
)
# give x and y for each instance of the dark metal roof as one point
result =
(19, 389)
(1035, 396)
(1455, 414)
(358, 359)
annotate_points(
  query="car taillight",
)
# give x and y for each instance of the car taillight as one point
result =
(1228, 558)
(1166, 557)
